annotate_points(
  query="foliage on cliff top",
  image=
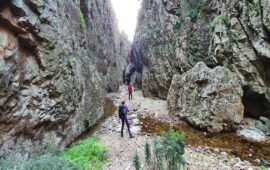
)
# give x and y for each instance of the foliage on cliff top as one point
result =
(82, 20)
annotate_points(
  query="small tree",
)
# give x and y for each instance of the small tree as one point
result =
(136, 161)
(173, 145)
(168, 151)
(147, 151)
(158, 154)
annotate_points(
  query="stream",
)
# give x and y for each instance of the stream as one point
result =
(228, 142)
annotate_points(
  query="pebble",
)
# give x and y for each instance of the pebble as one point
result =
(236, 160)
(223, 153)
(216, 150)
(234, 152)
(257, 161)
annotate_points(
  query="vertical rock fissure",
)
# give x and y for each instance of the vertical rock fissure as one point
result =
(260, 65)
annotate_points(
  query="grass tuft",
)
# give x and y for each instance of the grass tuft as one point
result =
(88, 154)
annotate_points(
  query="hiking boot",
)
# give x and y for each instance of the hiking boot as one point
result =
(122, 135)
(131, 136)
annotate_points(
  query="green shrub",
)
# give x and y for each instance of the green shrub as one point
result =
(44, 162)
(137, 162)
(173, 145)
(193, 14)
(147, 152)
(88, 154)
(177, 26)
(153, 33)
(71, 61)
(224, 19)
(185, 67)
(82, 20)
(13, 161)
(213, 25)
(158, 154)
(263, 168)
(49, 162)
(257, 6)
(168, 151)
(227, 22)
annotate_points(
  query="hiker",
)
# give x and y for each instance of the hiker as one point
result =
(129, 92)
(123, 110)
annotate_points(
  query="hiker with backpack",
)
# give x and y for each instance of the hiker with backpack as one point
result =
(123, 110)
(130, 92)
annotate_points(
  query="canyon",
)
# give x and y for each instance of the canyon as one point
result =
(209, 60)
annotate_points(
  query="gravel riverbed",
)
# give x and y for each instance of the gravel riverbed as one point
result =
(122, 150)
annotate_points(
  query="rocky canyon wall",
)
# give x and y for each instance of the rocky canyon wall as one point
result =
(57, 61)
(172, 36)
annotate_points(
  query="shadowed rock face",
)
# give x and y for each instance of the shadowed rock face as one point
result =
(173, 35)
(57, 60)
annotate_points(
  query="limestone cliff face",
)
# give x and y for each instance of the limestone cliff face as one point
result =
(173, 35)
(57, 60)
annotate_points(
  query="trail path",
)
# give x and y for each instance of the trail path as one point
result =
(121, 150)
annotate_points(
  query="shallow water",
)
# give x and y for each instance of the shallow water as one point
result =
(228, 142)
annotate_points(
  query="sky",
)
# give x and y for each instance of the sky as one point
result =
(126, 13)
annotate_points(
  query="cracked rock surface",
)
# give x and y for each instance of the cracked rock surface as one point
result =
(58, 59)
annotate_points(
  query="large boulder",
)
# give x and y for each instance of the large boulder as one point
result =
(210, 99)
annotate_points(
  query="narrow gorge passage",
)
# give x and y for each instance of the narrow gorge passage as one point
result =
(198, 67)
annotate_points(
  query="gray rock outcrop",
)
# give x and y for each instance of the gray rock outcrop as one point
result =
(172, 36)
(57, 61)
(264, 125)
(209, 99)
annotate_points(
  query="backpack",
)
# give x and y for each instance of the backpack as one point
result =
(121, 112)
